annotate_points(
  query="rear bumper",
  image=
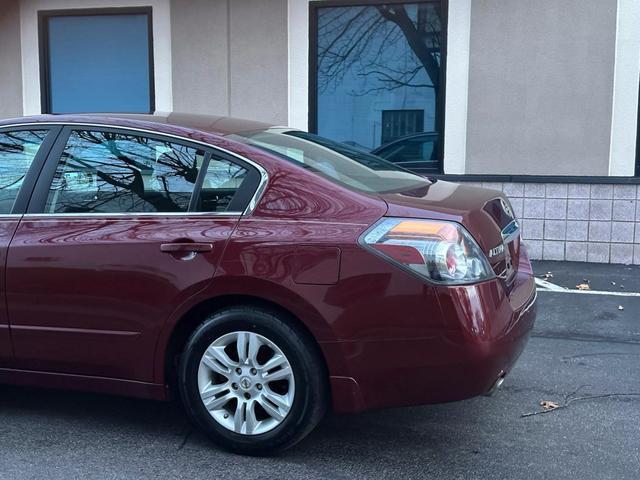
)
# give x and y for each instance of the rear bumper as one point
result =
(488, 331)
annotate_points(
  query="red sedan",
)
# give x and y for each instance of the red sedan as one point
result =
(261, 273)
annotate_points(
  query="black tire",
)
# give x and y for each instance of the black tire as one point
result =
(311, 389)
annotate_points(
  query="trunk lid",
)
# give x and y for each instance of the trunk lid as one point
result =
(486, 214)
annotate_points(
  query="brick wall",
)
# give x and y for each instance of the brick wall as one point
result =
(577, 222)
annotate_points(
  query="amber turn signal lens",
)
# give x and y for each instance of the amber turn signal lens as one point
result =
(421, 228)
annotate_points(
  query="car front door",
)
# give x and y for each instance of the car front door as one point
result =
(122, 228)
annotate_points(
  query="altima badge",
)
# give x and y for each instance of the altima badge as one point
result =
(496, 250)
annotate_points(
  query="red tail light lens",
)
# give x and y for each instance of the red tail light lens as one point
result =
(439, 251)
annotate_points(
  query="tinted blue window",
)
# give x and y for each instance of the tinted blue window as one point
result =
(17, 151)
(378, 71)
(99, 63)
(104, 172)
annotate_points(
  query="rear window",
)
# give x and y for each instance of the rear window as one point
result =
(341, 163)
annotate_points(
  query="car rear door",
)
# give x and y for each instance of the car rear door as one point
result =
(22, 149)
(123, 227)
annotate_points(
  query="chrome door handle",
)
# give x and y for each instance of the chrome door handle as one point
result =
(186, 247)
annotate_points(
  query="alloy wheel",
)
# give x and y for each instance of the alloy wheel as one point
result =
(246, 383)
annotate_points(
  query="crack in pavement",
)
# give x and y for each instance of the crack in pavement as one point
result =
(599, 354)
(576, 337)
(633, 396)
(185, 440)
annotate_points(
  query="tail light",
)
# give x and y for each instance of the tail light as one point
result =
(440, 251)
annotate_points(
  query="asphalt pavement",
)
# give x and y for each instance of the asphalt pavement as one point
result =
(584, 355)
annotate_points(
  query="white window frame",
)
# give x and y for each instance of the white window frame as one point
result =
(624, 111)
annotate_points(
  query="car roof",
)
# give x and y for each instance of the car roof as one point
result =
(218, 125)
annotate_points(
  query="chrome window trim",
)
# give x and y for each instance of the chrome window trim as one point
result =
(264, 177)
(133, 215)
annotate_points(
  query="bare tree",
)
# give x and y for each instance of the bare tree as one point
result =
(120, 173)
(13, 145)
(366, 43)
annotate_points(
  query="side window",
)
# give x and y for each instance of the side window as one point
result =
(220, 186)
(107, 172)
(17, 151)
(428, 149)
(416, 150)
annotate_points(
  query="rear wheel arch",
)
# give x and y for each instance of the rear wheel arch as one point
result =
(190, 321)
(262, 387)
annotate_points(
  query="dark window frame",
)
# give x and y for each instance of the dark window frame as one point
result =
(43, 46)
(46, 174)
(315, 5)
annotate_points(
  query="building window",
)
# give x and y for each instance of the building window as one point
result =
(96, 61)
(399, 123)
(377, 71)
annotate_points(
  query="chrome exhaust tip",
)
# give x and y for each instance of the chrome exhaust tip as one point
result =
(496, 385)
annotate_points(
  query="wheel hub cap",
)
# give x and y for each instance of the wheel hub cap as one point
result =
(246, 383)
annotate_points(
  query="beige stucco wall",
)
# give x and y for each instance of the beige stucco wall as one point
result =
(230, 58)
(10, 62)
(540, 87)
(199, 56)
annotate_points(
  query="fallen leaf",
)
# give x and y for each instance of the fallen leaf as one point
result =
(549, 405)
(613, 283)
(583, 286)
(620, 307)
